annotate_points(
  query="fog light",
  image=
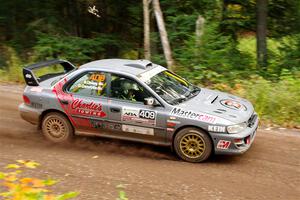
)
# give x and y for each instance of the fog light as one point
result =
(238, 141)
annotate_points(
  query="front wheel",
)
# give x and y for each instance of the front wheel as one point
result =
(192, 145)
(57, 128)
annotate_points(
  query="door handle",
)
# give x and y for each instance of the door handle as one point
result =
(115, 110)
(64, 102)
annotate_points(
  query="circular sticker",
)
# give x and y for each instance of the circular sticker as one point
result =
(233, 104)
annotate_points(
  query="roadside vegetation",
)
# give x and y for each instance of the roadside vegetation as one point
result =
(223, 57)
(15, 186)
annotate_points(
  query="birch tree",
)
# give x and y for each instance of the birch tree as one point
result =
(163, 33)
(147, 45)
(261, 33)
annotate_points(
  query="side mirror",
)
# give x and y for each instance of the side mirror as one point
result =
(150, 101)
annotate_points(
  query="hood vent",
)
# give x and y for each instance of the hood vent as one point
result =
(220, 111)
(140, 64)
(214, 99)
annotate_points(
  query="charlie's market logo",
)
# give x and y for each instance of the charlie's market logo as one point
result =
(89, 109)
(233, 104)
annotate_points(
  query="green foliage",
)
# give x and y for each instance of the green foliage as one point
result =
(16, 187)
(122, 194)
(283, 54)
(276, 102)
(289, 53)
(224, 55)
(215, 59)
(79, 50)
(13, 70)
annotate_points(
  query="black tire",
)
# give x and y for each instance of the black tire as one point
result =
(192, 145)
(57, 128)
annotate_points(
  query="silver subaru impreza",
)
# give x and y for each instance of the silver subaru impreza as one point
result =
(136, 100)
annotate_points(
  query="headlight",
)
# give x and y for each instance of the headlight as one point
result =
(236, 128)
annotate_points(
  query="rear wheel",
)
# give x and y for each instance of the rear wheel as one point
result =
(57, 128)
(192, 145)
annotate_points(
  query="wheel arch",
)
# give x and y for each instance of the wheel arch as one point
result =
(45, 112)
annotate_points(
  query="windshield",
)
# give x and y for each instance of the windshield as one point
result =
(172, 88)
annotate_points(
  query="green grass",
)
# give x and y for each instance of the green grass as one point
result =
(275, 102)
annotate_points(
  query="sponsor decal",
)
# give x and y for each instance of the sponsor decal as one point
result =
(138, 129)
(90, 85)
(147, 75)
(223, 144)
(28, 76)
(76, 106)
(62, 96)
(129, 114)
(97, 77)
(233, 104)
(100, 124)
(193, 115)
(139, 115)
(221, 129)
(170, 129)
(147, 114)
(88, 109)
(95, 82)
(171, 123)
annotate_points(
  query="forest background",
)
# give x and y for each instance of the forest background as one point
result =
(221, 54)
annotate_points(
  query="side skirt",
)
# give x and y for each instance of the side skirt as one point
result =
(84, 133)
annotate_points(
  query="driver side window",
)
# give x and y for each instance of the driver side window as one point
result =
(127, 89)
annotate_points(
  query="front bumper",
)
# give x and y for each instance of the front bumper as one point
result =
(29, 114)
(235, 143)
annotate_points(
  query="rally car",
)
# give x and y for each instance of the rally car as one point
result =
(140, 101)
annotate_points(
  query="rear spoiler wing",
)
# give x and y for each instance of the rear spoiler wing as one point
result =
(32, 80)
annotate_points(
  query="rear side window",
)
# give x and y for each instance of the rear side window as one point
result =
(90, 84)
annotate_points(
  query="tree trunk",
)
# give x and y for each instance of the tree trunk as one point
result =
(147, 47)
(199, 30)
(261, 33)
(163, 33)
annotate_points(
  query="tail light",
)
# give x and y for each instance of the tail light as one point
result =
(26, 100)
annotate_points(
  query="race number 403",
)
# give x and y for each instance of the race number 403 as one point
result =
(147, 114)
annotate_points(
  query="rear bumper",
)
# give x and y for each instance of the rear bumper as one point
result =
(235, 143)
(31, 115)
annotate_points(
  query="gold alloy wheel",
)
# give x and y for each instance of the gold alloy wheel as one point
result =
(192, 145)
(55, 127)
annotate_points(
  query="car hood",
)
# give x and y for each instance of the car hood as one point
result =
(220, 104)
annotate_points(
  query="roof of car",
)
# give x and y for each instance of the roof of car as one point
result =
(134, 67)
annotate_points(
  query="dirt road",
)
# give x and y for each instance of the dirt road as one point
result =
(93, 166)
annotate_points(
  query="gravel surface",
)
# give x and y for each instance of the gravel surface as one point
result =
(95, 166)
